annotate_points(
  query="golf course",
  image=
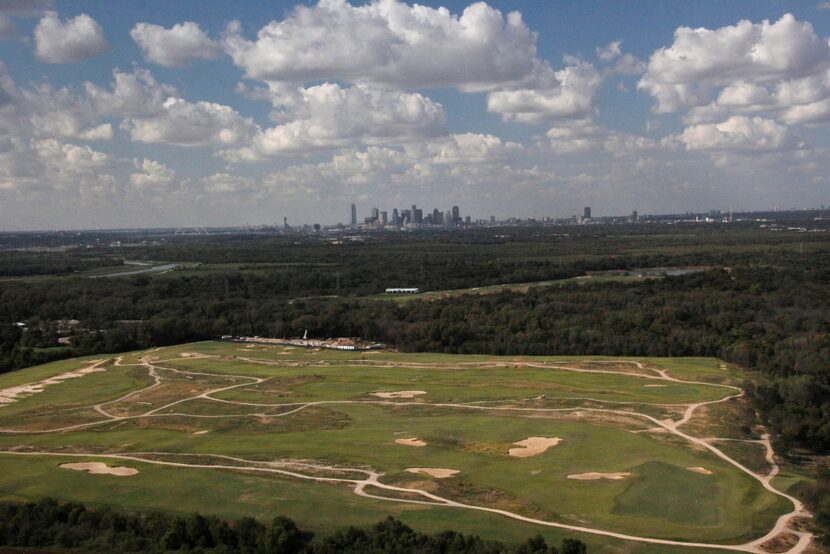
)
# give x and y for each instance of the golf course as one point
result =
(628, 455)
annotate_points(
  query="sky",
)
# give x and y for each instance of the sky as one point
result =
(190, 113)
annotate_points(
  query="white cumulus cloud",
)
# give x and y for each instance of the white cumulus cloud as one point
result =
(738, 133)
(609, 52)
(566, 93)
(702, 60)
(67, 41)
(153, 112)
(174, 47)
(388, 41)
(330, 116)
(151, 174)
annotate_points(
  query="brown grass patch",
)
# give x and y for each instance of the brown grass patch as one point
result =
(733, 419)
(781, 543)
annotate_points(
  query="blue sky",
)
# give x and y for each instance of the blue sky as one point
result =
(152, 113)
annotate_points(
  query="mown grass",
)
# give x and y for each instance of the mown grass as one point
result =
(725, 506)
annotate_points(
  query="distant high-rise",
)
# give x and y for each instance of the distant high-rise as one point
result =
(634, 216)
(353, 219)
(396, 220)
(456, 215)
(492, 220)
(586, 213)
(417, 216)
(375, 214)
(437, 217)
(384, 218)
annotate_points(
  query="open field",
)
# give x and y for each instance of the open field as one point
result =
(597, 448)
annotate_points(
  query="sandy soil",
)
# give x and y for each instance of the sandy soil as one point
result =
(437, 472)
(593, 476)
(698, 469)
(205, 432)
(12, 394)
(410, 442)
(533, 446)
(655, 385)
(399, 394)
(191, 355)
(100, 468)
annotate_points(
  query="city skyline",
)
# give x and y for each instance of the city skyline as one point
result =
(184, 114)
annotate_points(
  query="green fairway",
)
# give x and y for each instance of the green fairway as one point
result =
(258, 410)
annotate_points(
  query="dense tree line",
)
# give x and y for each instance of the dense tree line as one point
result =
(766, 308)
(71, 525)
(18, 264)
(817, 497)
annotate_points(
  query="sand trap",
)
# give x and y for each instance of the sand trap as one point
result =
(702, 470)
(399, 394)
(410, 442)
(437, 472)
(533, 446)
(192, 355)
(205, 432)
(593, 476)
(99, 468)
(655, 385)
(12, 394)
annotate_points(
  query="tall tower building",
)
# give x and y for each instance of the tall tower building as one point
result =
(456, 215)
(586, 213)
(353, 219)
(396, 219)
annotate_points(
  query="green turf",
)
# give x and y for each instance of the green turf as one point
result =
(661, 498)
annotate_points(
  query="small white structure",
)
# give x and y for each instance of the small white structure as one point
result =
(399, 290)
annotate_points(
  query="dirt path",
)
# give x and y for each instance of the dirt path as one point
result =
(372, 478)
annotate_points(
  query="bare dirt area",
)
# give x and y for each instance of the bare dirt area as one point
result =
(437, 472)
(533, 446)
(701, 470)
(410, 442)
(100, 468)
(399, 394)
(595, 476)
(13, 394)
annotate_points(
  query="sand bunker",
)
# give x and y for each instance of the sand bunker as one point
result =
(99, 468)
(655, 385)
(702, 470)
(533, 446)
(410, 442)
(205, 432)
(12, 394)
(593, 476)
(437, 472)
(399, 394)
(192, 355)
